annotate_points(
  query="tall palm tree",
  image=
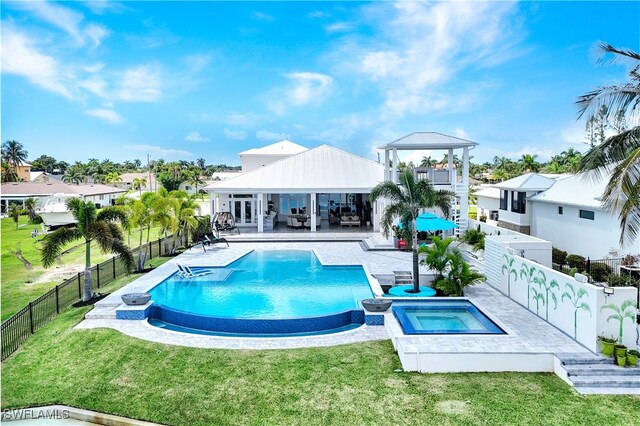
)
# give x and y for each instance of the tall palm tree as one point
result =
(195, 178)
(142, 218)
(14, 153)
(529, 164)
(112, 177)
(14, 212)
(139, 183)
(202, 163)
(30, 207)
(619, 156)
(74, 175)
(92, 226)
(407, 199)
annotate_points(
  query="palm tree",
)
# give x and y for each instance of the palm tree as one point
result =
(195, 178)
(459, 275)
(184, 211)
(14, 153)
(202, 163)
(620, 313)
(74, 175)
(112, 177)
(436, 256)
(529, 164)
(142, 218)
(30, 207)
(9, 174)
(15, 210)
(139, 183)
(528, 273)
(91, 226)
(541, 280)
(428, 162)
(574, 298)
(619, 156)
(407, 199)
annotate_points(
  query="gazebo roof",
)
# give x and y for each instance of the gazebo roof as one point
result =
(428, 140)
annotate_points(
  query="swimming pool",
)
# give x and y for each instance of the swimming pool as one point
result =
(264, 292)
(444, 317)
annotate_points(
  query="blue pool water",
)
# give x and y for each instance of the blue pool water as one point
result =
(444, 317)
(266, 284)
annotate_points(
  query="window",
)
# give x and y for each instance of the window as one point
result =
(503, 199)
(587, 214)
(101, 197)
(560, 210)
(518, 202)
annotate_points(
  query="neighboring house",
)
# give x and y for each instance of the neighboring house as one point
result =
(564, 209)
(258, 157)
(218, 176)
(128, 178)
(488, 203)
(17, 192)
(24, 172)
(40, 177)
(191, 189)
(330, 186)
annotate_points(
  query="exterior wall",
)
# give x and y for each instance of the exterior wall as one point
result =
(104, 200)
(24, 173)
(486, 204)
(522, 229)
(524, 220)
(588, 238)
(581, 310)
(252, 162)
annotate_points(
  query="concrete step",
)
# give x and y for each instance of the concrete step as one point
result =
(571, 360)
(607, 391)
(103, 312)
(601, 370)
(610, 381)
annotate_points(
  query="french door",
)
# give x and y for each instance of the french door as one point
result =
(244, 211)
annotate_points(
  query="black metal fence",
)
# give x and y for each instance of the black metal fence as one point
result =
(597, 270)
(16, 329)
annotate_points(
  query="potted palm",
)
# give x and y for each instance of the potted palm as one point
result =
(607, 345)
(632, 357)
(620, 352)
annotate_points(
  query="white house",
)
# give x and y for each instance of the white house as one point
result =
(258, 157)
(488, 203)
(564, 209)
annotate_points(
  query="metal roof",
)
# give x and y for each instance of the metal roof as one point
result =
(490, 192)
(284, 147)
(577, 190)
(428, 140)
(320, 169)
(527, 182)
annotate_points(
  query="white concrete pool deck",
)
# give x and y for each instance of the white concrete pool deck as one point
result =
(528, 334)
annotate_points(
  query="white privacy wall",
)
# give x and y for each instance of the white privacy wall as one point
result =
(579, 309)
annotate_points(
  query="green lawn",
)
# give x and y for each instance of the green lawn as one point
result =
(106, 371)
(19, 285)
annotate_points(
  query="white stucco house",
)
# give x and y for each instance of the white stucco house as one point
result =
(327, 186)
(564, 209)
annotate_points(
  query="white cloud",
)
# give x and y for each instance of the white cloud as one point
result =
(261, 16)
(317, 14)
(543, 153)
(108, 115)
(197, 62)
(461, 134)
(196, 137)
(96, 85)
(304, 88)
(139, 84)
(238, 135)
(159, 152)
(21, 58)
(267, 135)
(98, 66)
(338, 27)
(96, 33)
(420, 47)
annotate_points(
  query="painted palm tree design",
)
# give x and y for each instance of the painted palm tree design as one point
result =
(528, 273)
(509, 269)
(541, 280)
(574, 299)
(538, 296)
(620, 313)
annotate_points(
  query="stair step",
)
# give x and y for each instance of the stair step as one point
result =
(601, 370)
(586, 360)
(606, 381)
(101, 313)
(585, 390)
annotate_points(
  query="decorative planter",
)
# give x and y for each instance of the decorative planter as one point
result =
(632, 359)
(135, 299)
(620, 350)
(607, 348)
(376, 305)
(622, 360)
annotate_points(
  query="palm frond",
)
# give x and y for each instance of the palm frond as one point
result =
(585, 306)
(119, 247)
(112, 214)
(388, 190)
(54, 242)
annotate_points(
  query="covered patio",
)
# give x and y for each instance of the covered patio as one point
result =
(323, 189)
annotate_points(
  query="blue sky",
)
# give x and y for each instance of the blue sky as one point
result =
(183, 80)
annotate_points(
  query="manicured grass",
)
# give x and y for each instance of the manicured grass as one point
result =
(19, 285)
(106, 371)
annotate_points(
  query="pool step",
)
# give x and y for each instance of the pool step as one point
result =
(101, 312)
(403, 277)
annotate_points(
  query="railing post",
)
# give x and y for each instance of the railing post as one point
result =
(98, 274)
(31, 316)
(588, 266)
(113, 266)
(159, 247)
(57, 301)
(79, 287)
(150, 248)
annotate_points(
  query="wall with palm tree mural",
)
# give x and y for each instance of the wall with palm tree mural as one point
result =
(581, 310)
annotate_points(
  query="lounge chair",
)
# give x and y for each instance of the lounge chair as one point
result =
(186, 272)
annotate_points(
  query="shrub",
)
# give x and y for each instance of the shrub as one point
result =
(559, 257)
(483, 218)
(37, 220)
(599, 271)
(577, 261)
(474, 237)
(622, 281)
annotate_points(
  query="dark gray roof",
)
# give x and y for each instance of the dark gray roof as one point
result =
(428, 140)
(28, 189)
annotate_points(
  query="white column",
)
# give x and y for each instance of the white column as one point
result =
(260, 198)
(464, 199)
(452, 176)
(394, 171)
(375, 220)
(387, 175)
(313, 212)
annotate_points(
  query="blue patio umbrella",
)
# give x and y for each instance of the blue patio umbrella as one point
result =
(430, 222)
